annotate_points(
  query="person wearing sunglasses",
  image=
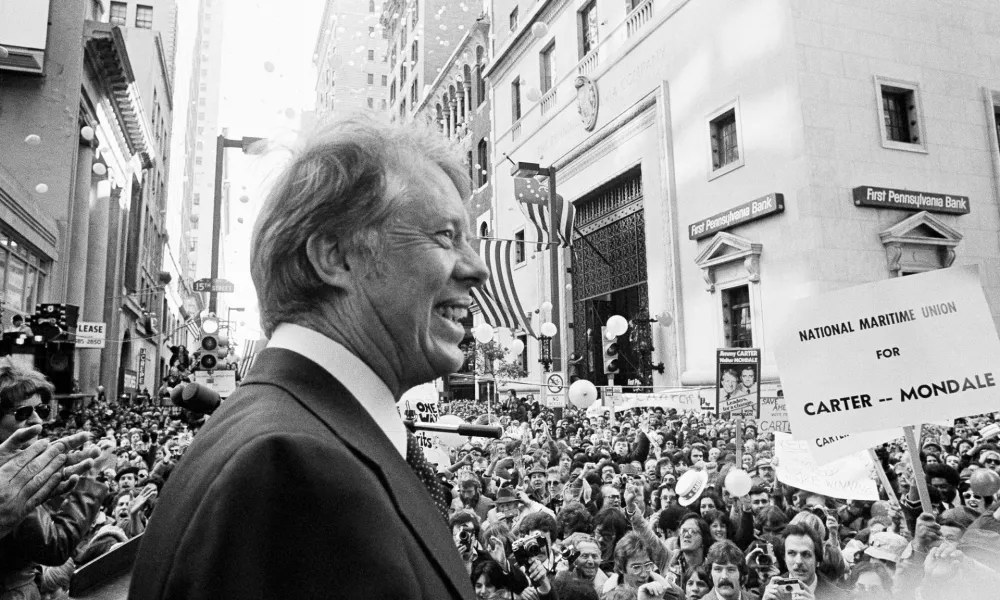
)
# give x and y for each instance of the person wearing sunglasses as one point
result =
(46, 535)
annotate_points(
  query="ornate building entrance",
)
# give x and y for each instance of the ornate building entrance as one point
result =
(609, 277)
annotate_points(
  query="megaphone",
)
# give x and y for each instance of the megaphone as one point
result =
(196, 398)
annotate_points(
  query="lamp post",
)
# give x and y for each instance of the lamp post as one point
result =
(229, 315)
(221, 143)
(526, 169)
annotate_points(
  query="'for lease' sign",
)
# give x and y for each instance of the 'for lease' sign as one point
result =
(90, 334)
(898, 352)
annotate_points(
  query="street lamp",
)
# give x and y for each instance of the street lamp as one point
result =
(229, 315)
(221, 143)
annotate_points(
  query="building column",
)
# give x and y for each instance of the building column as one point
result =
(468, 99)
(89, 360)
(76, 283)
(454, 116)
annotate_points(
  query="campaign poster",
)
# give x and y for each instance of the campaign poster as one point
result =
(902, 351)
(848, 478)
(737, 384)
(773, 412)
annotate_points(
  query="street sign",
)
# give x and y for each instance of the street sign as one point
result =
(223, 382)
(555, 383)
(214, 286)
(90, 334)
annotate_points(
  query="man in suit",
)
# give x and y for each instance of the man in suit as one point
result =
(803, 554)
(305, 483)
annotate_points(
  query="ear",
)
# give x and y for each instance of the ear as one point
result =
(330, 262)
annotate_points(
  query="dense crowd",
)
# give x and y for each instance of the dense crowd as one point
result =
(581, 507)
(591, 508)
(123, 453)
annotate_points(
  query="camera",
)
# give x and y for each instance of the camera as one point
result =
(787, 586)
(465, 536)
(763, 561)
(569, 554)
(526, 548)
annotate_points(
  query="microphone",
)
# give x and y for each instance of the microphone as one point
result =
(488, 431)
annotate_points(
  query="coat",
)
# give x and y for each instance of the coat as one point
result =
(291, 490)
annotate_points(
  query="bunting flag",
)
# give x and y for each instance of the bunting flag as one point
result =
(193, 327)
(497, 298)
(533, 200)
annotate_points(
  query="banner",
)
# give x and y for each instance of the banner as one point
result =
(420, 404)
(681, 400)
(898, 352)
(828, 449)
(846, 478)
(773, 413)
(737, 373)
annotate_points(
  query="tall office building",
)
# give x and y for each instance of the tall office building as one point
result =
(352, 73)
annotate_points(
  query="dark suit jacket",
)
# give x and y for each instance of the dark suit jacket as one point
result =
(291, 491)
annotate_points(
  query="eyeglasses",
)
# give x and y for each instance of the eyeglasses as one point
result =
(639, 568)
(690, 532)
(991, 461)
(24, 413)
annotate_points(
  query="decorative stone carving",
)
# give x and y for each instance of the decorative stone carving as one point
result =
(920, 242)
(726, 249)
(587, 101)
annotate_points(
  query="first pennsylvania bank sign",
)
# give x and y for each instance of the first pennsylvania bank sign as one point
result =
(744, 213)
(909, 200)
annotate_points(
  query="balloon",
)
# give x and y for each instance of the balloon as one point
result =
(87, 132)
(665, 319)
(738, 483)
(41, 188)
(483, 333)
(450, 439)
(984, 482)
(100, 169)
(540, 30)
(269, 66)
(244, 198)
(533, 94)
(549, 329)
(546, 306)
(617, 324)
(239, 220)
(582, 393)
(517, 347)
(32, 140)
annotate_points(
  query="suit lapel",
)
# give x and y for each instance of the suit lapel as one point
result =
(326, 398)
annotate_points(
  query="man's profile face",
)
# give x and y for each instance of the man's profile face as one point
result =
(800, 556)
(425, 252)
(726, 578)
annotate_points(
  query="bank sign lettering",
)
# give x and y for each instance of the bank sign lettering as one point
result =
(909, 200)
(744, 213)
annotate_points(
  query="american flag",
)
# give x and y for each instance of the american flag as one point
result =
(497, 298)
(533, 200)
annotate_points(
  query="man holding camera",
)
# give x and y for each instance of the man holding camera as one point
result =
(803, 554)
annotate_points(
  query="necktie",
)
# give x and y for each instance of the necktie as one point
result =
(415, 458)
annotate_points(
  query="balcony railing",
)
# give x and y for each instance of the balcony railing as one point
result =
(638, 17)
(588, 63)
(515, 131)
(548, 100)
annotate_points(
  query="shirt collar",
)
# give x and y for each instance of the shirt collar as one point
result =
(369, 389)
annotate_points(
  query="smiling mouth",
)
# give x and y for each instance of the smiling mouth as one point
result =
(452, 312)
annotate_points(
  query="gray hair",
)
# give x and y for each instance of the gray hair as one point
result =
(339, 185)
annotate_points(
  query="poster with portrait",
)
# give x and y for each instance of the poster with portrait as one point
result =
(737, 386)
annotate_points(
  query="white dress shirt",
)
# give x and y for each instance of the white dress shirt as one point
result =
(350, 371)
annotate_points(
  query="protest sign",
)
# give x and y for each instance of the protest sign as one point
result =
(827, 449)
(737, 371)
(847, 478)
(773, 413)
(420, 404)
(898, 352)
(682, 400)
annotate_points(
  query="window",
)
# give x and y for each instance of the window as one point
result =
(118, 13)
(899, 114)
(382, 104)
(371, 103)
(371, 78)
(197, 199)
(385, 80)
(414, 91)
(371, 31)
(480, 82)
(197, 160)
(725, 136)
(725, 146)
(371, 6)
(483, 155)
(996, 121)
(547, 66)
(402, 37)
(588, 28)
(392, 92)
(144, 17)
(415, 14)
(519, 256)
(414, 52)
(371, 55)
(402, 109)
(402, 75)
(469, 162)
(736, 317)
(515, 99)
(201, 101)
(513, 19)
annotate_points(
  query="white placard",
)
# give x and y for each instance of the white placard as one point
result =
(223, 382)
(90, 334)
(847, 478)
(898, 352)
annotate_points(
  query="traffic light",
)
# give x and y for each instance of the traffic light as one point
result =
(209, 346)
(610, 354)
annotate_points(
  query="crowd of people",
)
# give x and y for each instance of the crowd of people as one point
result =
(93, 474)
(589, 507)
